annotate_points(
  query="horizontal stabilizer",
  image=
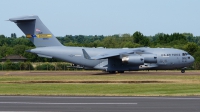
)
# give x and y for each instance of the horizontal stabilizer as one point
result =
(21, 19)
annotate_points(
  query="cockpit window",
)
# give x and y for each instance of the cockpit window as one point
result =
(185, 54)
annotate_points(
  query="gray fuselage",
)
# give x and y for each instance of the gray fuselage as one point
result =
(166, 58)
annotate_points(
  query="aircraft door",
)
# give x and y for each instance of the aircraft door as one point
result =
(184, 58)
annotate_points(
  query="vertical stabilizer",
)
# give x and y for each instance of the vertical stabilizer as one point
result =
(36, 31)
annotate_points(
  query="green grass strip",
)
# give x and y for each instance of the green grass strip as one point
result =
(101, 89)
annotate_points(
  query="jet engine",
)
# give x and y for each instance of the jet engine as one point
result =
(133, 59)
(150, 58)
(140, 59)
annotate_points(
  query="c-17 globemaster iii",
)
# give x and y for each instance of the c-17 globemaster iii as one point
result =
(110, 60)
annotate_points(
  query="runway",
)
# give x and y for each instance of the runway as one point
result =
(100, 104)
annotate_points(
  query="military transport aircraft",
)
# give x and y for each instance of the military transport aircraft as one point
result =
(109, 60)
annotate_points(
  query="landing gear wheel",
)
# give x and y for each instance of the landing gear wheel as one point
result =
(120, 71)
(183, 71)
(111, 72)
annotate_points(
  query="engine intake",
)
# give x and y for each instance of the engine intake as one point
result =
(150, 58)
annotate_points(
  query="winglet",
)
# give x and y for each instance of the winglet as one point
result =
(86, 56)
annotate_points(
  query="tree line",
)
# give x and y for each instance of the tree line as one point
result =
(8, 65)
(186, 41)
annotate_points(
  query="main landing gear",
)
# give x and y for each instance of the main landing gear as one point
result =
(113, 72)
(183, 70)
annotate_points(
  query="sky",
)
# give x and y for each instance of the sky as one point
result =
(105, 17)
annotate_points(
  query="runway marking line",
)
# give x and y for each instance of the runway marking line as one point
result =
(39, 103)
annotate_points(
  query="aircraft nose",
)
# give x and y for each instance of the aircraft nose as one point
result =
(191, 59)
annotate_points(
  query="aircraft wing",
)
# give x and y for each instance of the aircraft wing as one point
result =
(112, 54)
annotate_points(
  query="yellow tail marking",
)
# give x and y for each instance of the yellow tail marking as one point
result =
(44, 35)
(39, 36)
(28, 36)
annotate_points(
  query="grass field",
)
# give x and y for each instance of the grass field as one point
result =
(170, 83)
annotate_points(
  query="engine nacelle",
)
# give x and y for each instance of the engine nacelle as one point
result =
(134, 60)
(150, 58)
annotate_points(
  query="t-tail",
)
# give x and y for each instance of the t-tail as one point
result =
(36, 31)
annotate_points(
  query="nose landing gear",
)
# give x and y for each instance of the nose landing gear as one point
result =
(183, 70)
